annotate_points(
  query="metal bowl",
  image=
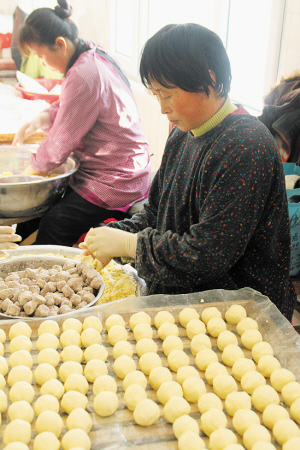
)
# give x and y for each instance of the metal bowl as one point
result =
(47, 262)
(22, 196)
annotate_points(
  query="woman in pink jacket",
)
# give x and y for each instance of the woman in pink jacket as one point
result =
(96, 119)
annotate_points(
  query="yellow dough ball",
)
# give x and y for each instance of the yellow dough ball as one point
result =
(144, 345)
(190, 440)
(95, 351)
(267, 364)
(243, 419)
(237, 400)
(194, 327)
(159, 375)
(175, 407)
(49, 326)
(117, 333)
(242, 366)
(19, 373)
(48, 355)
(2, 382)
(263, 396)
(213, 369)
(114, 319)
(295, 410)
(251, 337)
(3, 366)
(209, 401)
(185, 372)
(148, 361)
(211, 420)
(225, 338)
(272, 413)
(72, 324)
(224, 384)
(76, 382)
(139, 317)
(167, 329)
(16, 446)
(105, 383)
(53, 387)
(94, 368)
(124, 365)
(280, 377)
(134, 394)
(76, 438)
(21, 358)
(1, 349)
(167, 390)
(21, 390)
(123, 348)
(215, 326)
(187, 314)
(47, 340)
(2, 336)
(49, 421)
(79, 418)
(290, 444)
(146, 412)
(177, 359)
(210, 312)
(20, 343)
(285, 429)
(135, 377)
(163, 316)
(260, 349)
(21, 410)
(185, 423)
(221, 437)
(231, 354)
(290, 392)
(69, 367)
(106, 403)
(70, 337)
(46, 402)
(73, 399)
(19, 328)
(255, 433)
(44, 372)
(17, 430)
(46, 441)
(142, 331)
(200, 342)
(246, 324)
(172, 343)
(193, 388)
(3, 402)
(72, 353)
(204, 358)
(251, 380)
(235, 313)
(92, 322)
(90, 336)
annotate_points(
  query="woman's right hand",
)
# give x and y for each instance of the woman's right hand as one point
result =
(42, 121)
(8, 238)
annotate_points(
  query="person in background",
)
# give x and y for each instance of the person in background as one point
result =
(217, 212)
(96, 119)
(8, 239)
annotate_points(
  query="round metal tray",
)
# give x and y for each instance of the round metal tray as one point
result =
(45, 261)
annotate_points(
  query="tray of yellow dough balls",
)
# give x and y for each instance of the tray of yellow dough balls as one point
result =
(215, 370)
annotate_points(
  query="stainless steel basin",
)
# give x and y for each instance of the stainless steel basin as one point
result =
(22, 196)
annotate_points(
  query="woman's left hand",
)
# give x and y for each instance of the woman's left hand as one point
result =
(30, 171)
(8, 238)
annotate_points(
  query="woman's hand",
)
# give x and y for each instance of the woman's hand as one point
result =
(40, 122)
(30, 171)
(8, 239)
(105, 243)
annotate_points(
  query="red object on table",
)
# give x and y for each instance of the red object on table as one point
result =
(5, 40)
(47, 83)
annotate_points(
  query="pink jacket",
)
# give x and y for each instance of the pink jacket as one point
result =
(97, 119)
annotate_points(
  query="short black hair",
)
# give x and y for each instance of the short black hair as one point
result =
(188, 56)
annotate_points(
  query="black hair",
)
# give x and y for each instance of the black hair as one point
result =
(188, 56)
(44, 25)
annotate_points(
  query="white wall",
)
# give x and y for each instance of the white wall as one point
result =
(290, 49)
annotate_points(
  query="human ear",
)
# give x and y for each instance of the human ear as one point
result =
(61, 43)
